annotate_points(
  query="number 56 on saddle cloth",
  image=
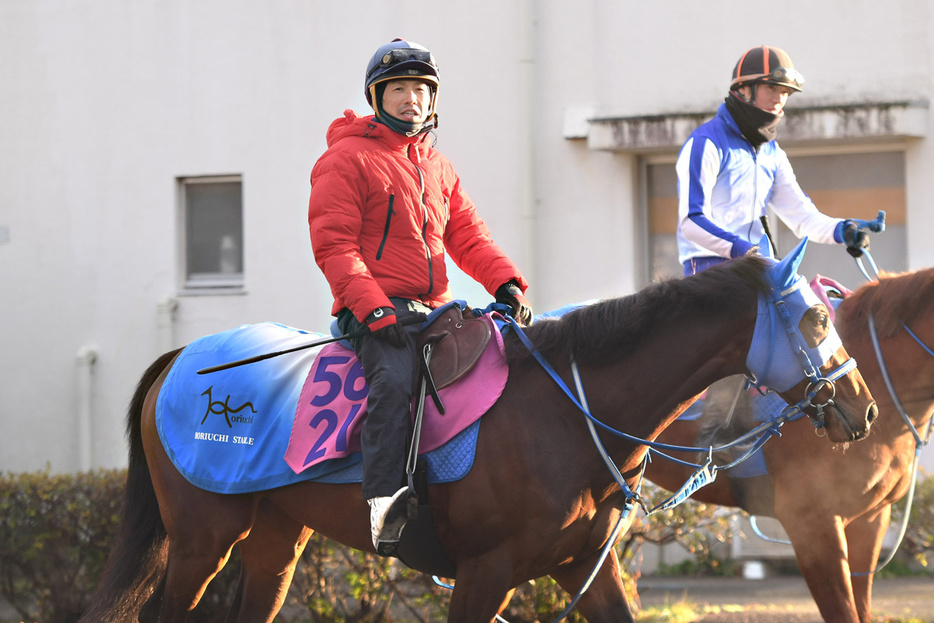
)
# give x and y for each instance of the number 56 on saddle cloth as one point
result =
(292, 418)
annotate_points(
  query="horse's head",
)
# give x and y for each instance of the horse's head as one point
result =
(796, 351)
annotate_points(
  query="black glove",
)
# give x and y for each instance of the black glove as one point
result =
(382, 324)
(856, 240)
(511, 294)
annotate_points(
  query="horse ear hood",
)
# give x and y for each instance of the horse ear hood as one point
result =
(765, 247)
(785, 272)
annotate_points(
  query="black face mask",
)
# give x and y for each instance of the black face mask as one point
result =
(757, 125)
(404, 127)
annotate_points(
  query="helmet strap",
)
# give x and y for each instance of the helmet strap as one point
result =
(752, 92)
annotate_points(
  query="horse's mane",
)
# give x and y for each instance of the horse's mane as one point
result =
(595, 333)
(894, 299)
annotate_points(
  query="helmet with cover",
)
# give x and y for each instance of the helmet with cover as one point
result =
(769, 65)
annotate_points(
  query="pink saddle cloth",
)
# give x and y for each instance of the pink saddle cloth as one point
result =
(332, 404)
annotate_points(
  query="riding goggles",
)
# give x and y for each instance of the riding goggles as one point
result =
(787, 75)
(401, 55)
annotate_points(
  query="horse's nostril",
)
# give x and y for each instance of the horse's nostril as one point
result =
(872, 413)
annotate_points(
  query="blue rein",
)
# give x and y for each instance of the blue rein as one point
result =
(920, 442)
(707, 472)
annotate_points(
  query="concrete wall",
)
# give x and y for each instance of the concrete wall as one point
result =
(104, 104)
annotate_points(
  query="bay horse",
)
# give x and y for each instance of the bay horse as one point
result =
(835, 502)
(539, 499)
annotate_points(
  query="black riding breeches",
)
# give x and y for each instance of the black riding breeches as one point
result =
(390, 374)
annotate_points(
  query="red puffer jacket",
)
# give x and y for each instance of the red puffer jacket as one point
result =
(384, 208)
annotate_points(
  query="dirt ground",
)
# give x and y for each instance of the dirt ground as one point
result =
(782, 599)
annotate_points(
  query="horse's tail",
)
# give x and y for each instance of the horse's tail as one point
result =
(138, 559)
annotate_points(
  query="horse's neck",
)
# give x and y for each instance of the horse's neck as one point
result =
(648, 390)
(909, 365)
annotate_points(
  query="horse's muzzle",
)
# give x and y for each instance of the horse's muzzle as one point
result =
(853, 430)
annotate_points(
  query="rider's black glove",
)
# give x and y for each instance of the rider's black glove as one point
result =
(382, 324)
(511, 294)
(856, 240)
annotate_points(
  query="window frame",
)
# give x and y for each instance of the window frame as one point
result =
(794, 151)
(209, 283)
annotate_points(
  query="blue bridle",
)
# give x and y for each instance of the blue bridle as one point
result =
(788, 306)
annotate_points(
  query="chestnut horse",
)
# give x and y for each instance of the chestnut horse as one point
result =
(835, 502)
(540, 499)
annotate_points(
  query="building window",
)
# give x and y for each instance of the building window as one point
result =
(211, 228)
(845, 185)
(661, 222)
(857, 186)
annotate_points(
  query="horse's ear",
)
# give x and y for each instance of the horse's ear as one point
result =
(785, 271)
(765, 247)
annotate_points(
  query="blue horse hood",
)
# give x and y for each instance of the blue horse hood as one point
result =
(775, 357)
(785, 272)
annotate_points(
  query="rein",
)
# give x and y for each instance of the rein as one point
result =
(707, 472)
(883, 369)
(631, 497)
(920, 442)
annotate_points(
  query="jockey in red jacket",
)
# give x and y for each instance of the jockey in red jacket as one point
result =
(385, 207)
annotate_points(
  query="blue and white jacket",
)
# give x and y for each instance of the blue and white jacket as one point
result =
(725, 186)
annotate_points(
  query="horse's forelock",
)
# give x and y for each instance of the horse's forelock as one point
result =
(601, 330)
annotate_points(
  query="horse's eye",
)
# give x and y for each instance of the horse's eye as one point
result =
(815, 325)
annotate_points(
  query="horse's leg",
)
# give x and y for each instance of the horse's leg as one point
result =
(268, 559)
(202, 529)
(202, 532)
(481, 590)
(192, 566)
(605, 600)
(821, 552)
(864, 537)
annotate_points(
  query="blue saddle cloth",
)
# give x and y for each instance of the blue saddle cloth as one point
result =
(228, 431)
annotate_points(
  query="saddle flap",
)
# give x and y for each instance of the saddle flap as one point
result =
(458, 339)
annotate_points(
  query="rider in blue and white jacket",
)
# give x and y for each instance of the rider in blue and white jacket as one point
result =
(731, 170)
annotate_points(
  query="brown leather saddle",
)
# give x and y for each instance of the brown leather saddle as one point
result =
(451, 345)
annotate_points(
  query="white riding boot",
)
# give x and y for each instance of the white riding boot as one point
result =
(387, 519)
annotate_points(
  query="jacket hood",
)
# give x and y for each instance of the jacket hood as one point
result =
(354, 124)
